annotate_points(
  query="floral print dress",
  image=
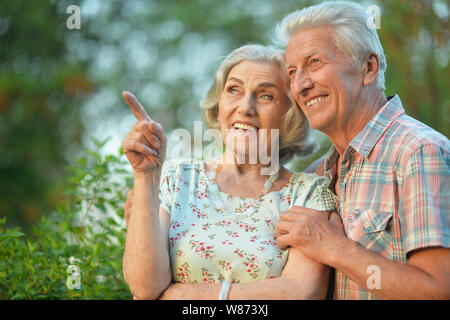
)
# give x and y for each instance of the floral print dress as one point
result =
(209, 244)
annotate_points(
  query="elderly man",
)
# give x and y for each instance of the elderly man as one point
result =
(389, 172)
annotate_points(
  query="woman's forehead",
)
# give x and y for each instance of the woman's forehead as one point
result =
(265, 74)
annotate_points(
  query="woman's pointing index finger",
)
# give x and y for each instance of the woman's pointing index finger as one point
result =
(135, 106)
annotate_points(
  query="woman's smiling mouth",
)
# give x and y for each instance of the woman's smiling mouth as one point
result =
(244, 126)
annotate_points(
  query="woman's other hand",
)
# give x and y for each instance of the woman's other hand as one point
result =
(145, 144)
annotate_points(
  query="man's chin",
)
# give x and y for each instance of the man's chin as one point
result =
(316, 125)
(319, 122)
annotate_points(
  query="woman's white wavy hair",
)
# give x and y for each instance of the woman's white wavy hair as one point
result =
(295, 133)
(355, 35)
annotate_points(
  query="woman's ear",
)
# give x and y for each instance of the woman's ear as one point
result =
(371, 69)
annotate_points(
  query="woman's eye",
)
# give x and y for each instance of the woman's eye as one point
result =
(315, 60)
(232, 90)
(291, 72)
(268, 97)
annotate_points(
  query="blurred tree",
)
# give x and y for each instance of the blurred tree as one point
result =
(39, 108)
(416, 39)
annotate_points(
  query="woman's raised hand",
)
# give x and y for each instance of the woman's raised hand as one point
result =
(145, 144)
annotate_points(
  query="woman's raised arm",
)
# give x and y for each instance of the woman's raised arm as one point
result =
(146, 263)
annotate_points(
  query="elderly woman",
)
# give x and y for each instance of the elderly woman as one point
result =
(206, 229)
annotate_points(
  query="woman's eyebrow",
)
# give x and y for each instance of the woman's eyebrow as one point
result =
(262, 84)
(235, 79)
(267, 85)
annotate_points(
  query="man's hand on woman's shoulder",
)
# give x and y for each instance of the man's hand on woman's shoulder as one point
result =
(315, 233)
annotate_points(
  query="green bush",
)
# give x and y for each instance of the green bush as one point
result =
(86, 230)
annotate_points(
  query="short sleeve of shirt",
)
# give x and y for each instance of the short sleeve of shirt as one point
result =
(316, 194)
(167, 185)
(425, 199)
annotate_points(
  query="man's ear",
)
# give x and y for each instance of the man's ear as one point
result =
(371, 68)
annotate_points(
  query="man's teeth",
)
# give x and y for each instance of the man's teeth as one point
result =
(315, 100)
(244, 126)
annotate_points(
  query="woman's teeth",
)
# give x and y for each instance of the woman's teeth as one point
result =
(244, 126)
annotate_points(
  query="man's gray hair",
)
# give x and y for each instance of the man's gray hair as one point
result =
(354, 32)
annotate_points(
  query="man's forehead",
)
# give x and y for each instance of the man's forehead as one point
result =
(307, 51)
(310, 38)
(303, 45)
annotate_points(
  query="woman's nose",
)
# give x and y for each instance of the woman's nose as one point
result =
(247, 105)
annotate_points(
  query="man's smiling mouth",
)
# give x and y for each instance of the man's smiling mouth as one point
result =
(315, 100)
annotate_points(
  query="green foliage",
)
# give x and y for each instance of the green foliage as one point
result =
(88, 226)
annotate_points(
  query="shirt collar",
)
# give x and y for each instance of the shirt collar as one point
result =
(330, 158)
(365, 141)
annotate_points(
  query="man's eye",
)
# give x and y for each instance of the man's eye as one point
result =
(292, 72)
(315, 60)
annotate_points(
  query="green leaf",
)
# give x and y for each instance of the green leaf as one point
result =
(14, 233)
(100, 144)
(82, 161)
(94, 154)
(30, 246)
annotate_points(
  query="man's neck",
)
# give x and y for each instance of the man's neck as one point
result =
(341, 137)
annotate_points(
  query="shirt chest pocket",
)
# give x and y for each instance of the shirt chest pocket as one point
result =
(371, 229)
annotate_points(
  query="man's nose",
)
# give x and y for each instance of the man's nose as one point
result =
(302, 83)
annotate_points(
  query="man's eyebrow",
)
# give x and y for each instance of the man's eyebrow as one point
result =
(311, 53)
(306, 57)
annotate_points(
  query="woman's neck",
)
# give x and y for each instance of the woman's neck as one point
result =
(245, 180)
(240, 170)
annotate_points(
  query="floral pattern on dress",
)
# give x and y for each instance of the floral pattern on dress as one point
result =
(183, 273)
(207, 277)
(209, 243)
(202, 248)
